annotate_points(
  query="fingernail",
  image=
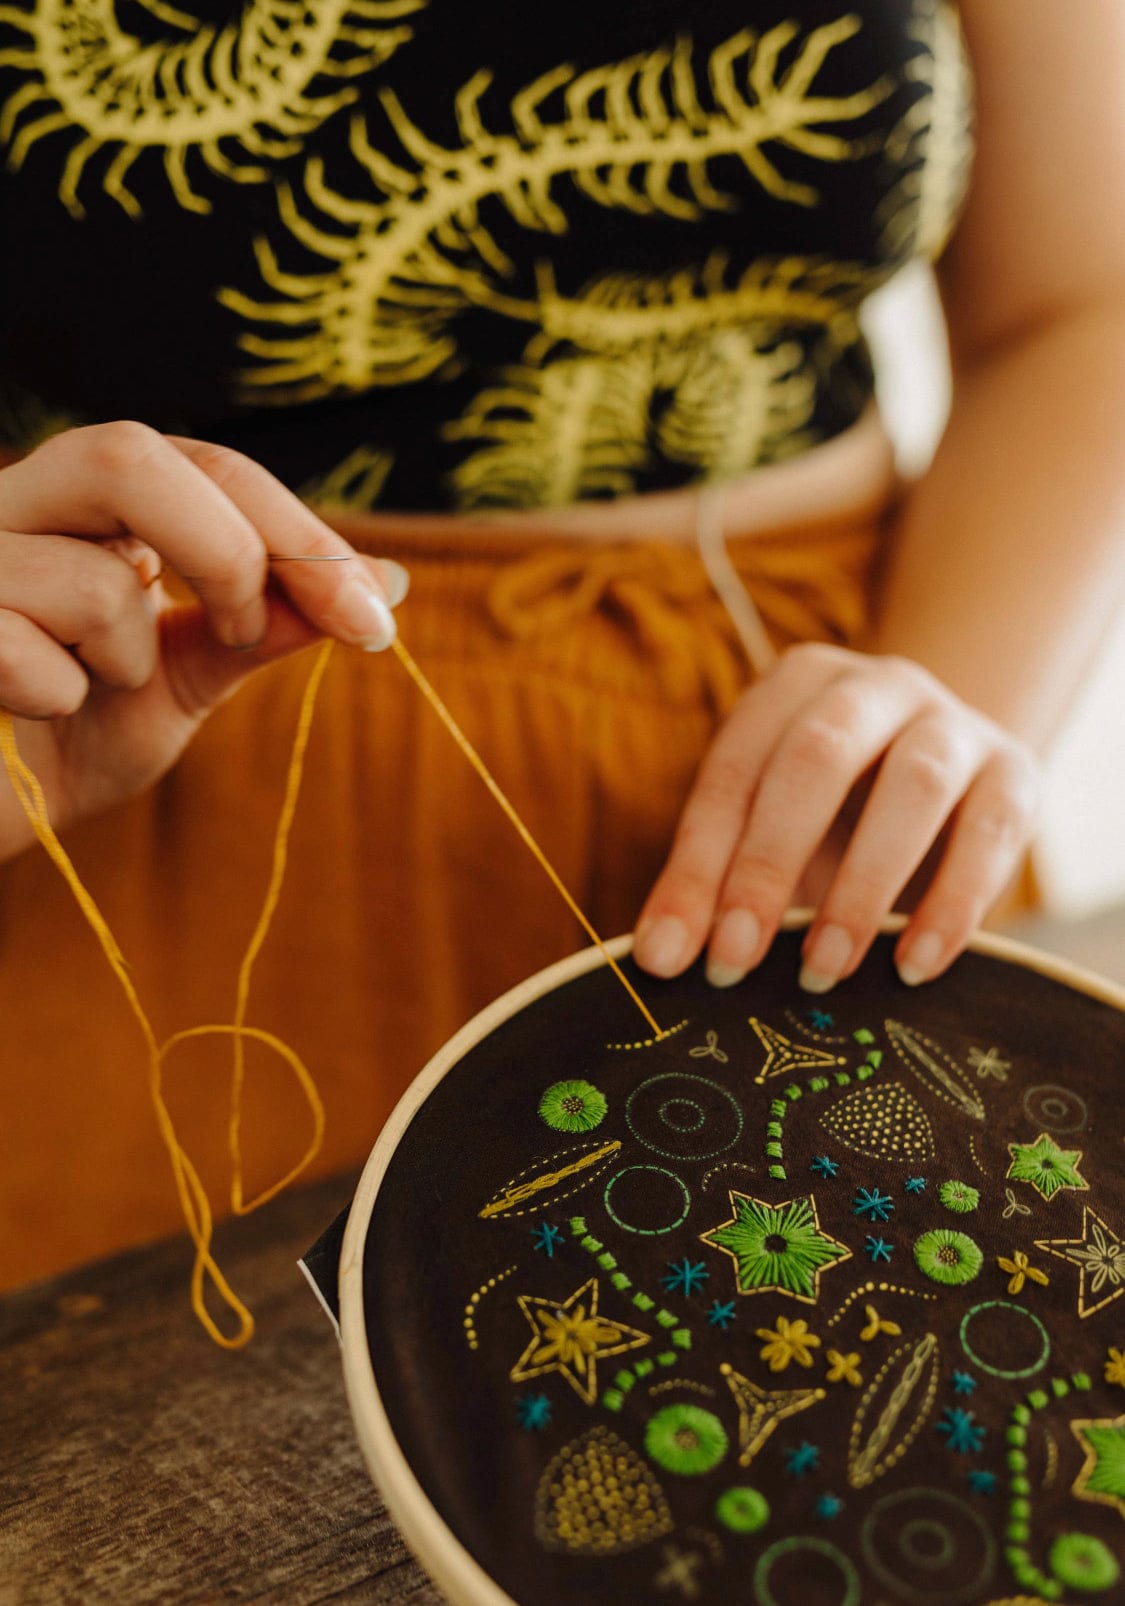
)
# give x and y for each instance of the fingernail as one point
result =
(921, 959)
(396, 580)
(362, 616)
(826, 959)
(244, 630)
(662, 947)
(732, 947)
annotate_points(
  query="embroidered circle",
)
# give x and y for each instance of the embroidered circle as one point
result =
(926, 1543)
(959, 1196)
(1055, 1107)
(948, 1257)
(933, 1533)
(682, 1115)
(1003, 1346)
(657, 1115)
(743, 1510)
(573, 1106)
(799, 1576)
(646, 1207)
(1083, 1562)
(686, 1439)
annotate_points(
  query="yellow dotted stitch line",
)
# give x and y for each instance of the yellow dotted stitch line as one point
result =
(870, 1288)
(485, 1288)
(648, 1042)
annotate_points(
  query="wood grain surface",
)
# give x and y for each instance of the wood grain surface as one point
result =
(140, 1463)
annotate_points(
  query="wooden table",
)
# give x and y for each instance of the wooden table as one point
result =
(139, 1462)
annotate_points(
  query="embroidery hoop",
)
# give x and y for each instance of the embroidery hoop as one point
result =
(436, 1547)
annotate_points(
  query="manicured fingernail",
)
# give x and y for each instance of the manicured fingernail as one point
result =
(662, 947)
(244, 630)
(732, 947)
(826, 960)
(396, 580)
(363, 617)
(921, 959)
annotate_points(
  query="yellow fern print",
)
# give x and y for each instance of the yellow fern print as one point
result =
(721, 402)
(576, 428)
(356, 482)
(247, 83)
(413, 252)
(933, 141)
(619, 311)
(738, 402)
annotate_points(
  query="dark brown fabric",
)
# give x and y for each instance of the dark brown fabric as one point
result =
(984, 1070)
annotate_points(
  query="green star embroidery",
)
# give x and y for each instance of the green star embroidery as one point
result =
(777, 1249)
(1102, 1477)
(1047, 1167)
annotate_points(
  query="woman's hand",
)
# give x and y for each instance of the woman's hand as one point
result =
(108, 679)
(832, 780)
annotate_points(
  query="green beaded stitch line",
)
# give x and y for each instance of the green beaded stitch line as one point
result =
(779, 1108)
(679, 1337)
(1019, 1527)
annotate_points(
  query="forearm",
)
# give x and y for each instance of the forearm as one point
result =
(1009, 565)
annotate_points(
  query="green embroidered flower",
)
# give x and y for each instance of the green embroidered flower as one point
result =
(948, 1257)
(573, 1107)
(743, 1510)
(1047, 1167)
(1082, 1562)
(686, 1439)
(777, 1248)
(959, 1196)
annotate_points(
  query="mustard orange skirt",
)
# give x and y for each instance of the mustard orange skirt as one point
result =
(590, 677)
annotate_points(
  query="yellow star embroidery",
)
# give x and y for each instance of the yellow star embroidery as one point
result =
(1115, 1367)
(876, 1325)
(791, 1341)
(571, 1338)
(1019, 1270)
(1100, 1257)
(843, 1368)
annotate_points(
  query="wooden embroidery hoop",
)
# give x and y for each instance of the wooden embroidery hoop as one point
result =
(439, 1551)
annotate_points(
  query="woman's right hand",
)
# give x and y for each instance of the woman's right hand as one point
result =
(107, 678)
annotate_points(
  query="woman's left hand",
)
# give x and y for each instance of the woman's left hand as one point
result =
(832, 780)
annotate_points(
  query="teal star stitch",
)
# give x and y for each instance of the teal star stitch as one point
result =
(685, 1276)
(533, 1412)
(824, 1167)
(872, 1204)
(982, 1482)
(963, 1435)
(547, 1238)
(964, 1382)
(802, 1459)
(828, 1506)
(878, 1249)
(721, 1315)
(915, 1184)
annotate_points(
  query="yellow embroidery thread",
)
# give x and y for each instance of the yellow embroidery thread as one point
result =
(193, 1199)
(194, 1203)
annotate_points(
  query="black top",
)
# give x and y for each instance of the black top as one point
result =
(416, 252)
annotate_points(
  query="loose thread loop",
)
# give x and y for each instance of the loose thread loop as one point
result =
(474, 758)
(194, 1203)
